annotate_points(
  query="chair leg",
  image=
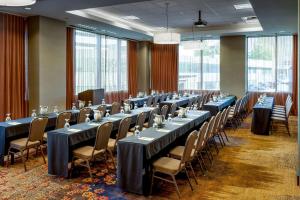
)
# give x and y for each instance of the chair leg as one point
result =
(201, 167)
(27, 154)
(42, 153)
(193, 172)
(152, 179)
(225, 135)
(287, 127)
(215, 145)
(204, 165)
(187, 174)
(112, 158)
(175, 183)
(221, 136)
(23, 160)
(89, 167)
(8, 154)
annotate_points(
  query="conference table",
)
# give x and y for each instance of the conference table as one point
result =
(139, 101)
(180, 102)
(215, 106)
(61, 142)
(135, 154)
(19, 128)
(262, 116)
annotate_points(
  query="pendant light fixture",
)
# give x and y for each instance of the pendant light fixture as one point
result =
(167, 37)
(17, 2)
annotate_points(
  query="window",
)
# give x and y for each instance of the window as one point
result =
(199, 69)
(101, 62)
(270, 64)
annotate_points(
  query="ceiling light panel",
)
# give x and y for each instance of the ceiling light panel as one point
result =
(242, 6)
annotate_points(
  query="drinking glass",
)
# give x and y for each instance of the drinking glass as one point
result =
(137, 131)
(103, 101)
(122, 110)
(8, 118)
(135, 106)
(169, 117)
(55, 109)
(87, 119)
(107, 113)
(67, 124)
(145, 104)
(33, 114)
(130, 97)
(90, 103)
(74, 106)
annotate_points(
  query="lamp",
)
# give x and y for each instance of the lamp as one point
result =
(17, 2)
(166, 37)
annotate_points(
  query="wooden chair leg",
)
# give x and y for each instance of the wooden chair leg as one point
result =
(151, 184)
(23, 160)
(112, 158)
(89, 168)
(298, 180)
(42, 153)
(287, 127)
(8, 154)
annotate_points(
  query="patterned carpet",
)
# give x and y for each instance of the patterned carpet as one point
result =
(249, 167)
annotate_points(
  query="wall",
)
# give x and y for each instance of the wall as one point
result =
(233, 64)
(143, 66)
(47, 62)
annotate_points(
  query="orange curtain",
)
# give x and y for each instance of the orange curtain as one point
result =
(12, 66)
(295, 75)
(164, 67)
(117, 96)
(132, 68)
(70, 94)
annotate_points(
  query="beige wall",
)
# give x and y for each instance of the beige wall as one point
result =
(143, 66)
(233, 64)
(47, 62)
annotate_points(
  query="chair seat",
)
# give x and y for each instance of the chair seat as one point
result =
(177, 152)
(130, 133)
(111, 144)
(146, 125)
(86, 152)
(280, 118)
(279, 106)
(167, 165)
(278, 112)
(21, 143)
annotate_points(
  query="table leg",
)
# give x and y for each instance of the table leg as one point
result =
(2, 160)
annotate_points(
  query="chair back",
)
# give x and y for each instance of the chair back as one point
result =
(37, 129)
(102, 109)
(151, 117)
(190, 103)
(123, 128)
(211, 124)
(155, 101)
(173, 109)
(189, 146)
(236, 107)
(149, 101)
(221, 121)
(103, 135)
(141, 120)
(61, 119)
(288, 108)
(201, 137)
(217, 122)
(115, 108)
(226, 116)
(164, 110)
(82, 114)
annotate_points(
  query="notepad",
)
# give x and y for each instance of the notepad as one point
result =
(74, 130)
(13, 123)
(146, 138)
(186, 119)
(163, 130)
(93, 124)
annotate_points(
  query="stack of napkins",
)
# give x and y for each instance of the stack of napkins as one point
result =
(73, 130)
(146, 138)
(13, 123)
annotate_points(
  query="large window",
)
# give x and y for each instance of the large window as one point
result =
(270, 64)
(199, 67)
(101, 62)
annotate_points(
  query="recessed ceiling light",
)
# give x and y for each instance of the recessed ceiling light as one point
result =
(27, 8)
(131, 17)
(17, 2)
(250, 20)
(242, 6)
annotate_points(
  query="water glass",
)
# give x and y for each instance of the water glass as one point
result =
(87, 119)
(137, 131)
(90, 103)
(67, 124)
(33, 114)
(103, 102)
(145, 104)
(122, 110)
(55, 109)
(169, 117)
(135, 106)
(8, 118)
(130, 97)
(107, 113)
(74, 106)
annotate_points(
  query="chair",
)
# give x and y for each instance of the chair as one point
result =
(217, 127)
(90, 153)
(139, 122)
(149, 101)
(82, 115)
(224, 122)
(115, 108)
(155, 100)
(232, 116)
(122, 133)
(210, 139)
(201, 145)
(164, 110)
(283, 117)
(172, 167)
(173, 109)
(60, 122)
(151, 118)
(282, 107)
(102, 108)
(34, 140)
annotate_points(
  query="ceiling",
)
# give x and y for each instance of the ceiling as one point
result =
(223, 18)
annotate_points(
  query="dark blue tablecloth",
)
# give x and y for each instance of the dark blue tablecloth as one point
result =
(215, 107)
(181, 102)
(262, 116)
(139, 101)
(61, 142)
(135, 154)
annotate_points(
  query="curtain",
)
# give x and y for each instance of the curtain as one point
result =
(164, 67)
(12, 66)
(132, 68)
(295, 75)
(70, 95)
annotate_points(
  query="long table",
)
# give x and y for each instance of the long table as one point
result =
(215, 107)
(136, 154)
(139, 101)
(182, 101)
(61, 142)
(262, 116)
